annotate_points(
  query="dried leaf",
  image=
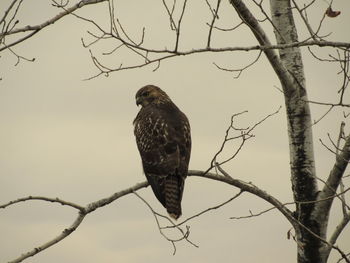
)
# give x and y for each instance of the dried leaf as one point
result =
(331, 13)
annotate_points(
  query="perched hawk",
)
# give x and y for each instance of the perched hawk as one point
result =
(163, 138)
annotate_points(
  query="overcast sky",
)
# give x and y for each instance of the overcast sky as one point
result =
(62, 136)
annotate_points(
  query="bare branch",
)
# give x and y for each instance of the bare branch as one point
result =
(339, 229)
(247, 187)
(341, 184)
(251, 214)
(322, 209)
(68, 11)
(208, 209)
(83, 211)
(165, 54)
(323, 115)
(42, 198)
(227, 29)
(170, 14)
(342, 160)
(329, 104)
(2, 20)
(184, 234)
(35, 29)
(313, 35)
(245, 134)
(6, 46)
(346, 215)
(240, 71)
(19, 57)
(215, 16)
(66, 232)
(259, 4)
(178, 28)
(10, 26)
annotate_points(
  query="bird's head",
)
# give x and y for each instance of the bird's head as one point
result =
(151, 95)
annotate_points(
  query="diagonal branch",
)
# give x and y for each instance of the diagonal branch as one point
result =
(35, 29)
(334, 178)
(208, 209)
(215, 16)
(339, 229)
(178, 28)
(184, 234)
(83, 211)
(66, 232)
(68, 11)
(247, 187)
(248, 18)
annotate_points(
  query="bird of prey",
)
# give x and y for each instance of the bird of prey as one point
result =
(163, 139)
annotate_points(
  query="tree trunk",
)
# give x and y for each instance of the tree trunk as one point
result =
(303, 174)
(288, 65)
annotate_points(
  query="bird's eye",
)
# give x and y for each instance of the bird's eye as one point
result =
(145, 94)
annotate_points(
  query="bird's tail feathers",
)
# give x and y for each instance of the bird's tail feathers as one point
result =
(173, 195)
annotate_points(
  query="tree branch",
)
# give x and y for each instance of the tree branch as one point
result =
(262, 38)
(42, 198)
(83, 211)
(35, 29)
(322, 209)
(184, 234)
(66, 232)
(339, 229)
(247, 187)
(215, 16)
(78, 5)
(334, 178)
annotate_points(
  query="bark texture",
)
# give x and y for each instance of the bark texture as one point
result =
(288, 65)
(302, 165)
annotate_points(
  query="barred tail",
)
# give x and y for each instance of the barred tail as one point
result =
(173, 195)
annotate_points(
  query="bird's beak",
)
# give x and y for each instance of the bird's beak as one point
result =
(138, 101)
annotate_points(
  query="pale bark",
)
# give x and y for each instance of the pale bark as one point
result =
(303, 174)
(313, 216)
(289, 68)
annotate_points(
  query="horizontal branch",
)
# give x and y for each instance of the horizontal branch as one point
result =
(43, 198)
(245, 48)
(84, 211)
(168, 54)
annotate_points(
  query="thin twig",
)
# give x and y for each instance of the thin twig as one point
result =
(240, 71)
(184, 234)
(215, 16)
(178, 29)
(208, 209)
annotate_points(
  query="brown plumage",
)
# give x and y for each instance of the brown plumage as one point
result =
(163, 138)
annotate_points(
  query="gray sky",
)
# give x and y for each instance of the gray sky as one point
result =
(64, 137)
